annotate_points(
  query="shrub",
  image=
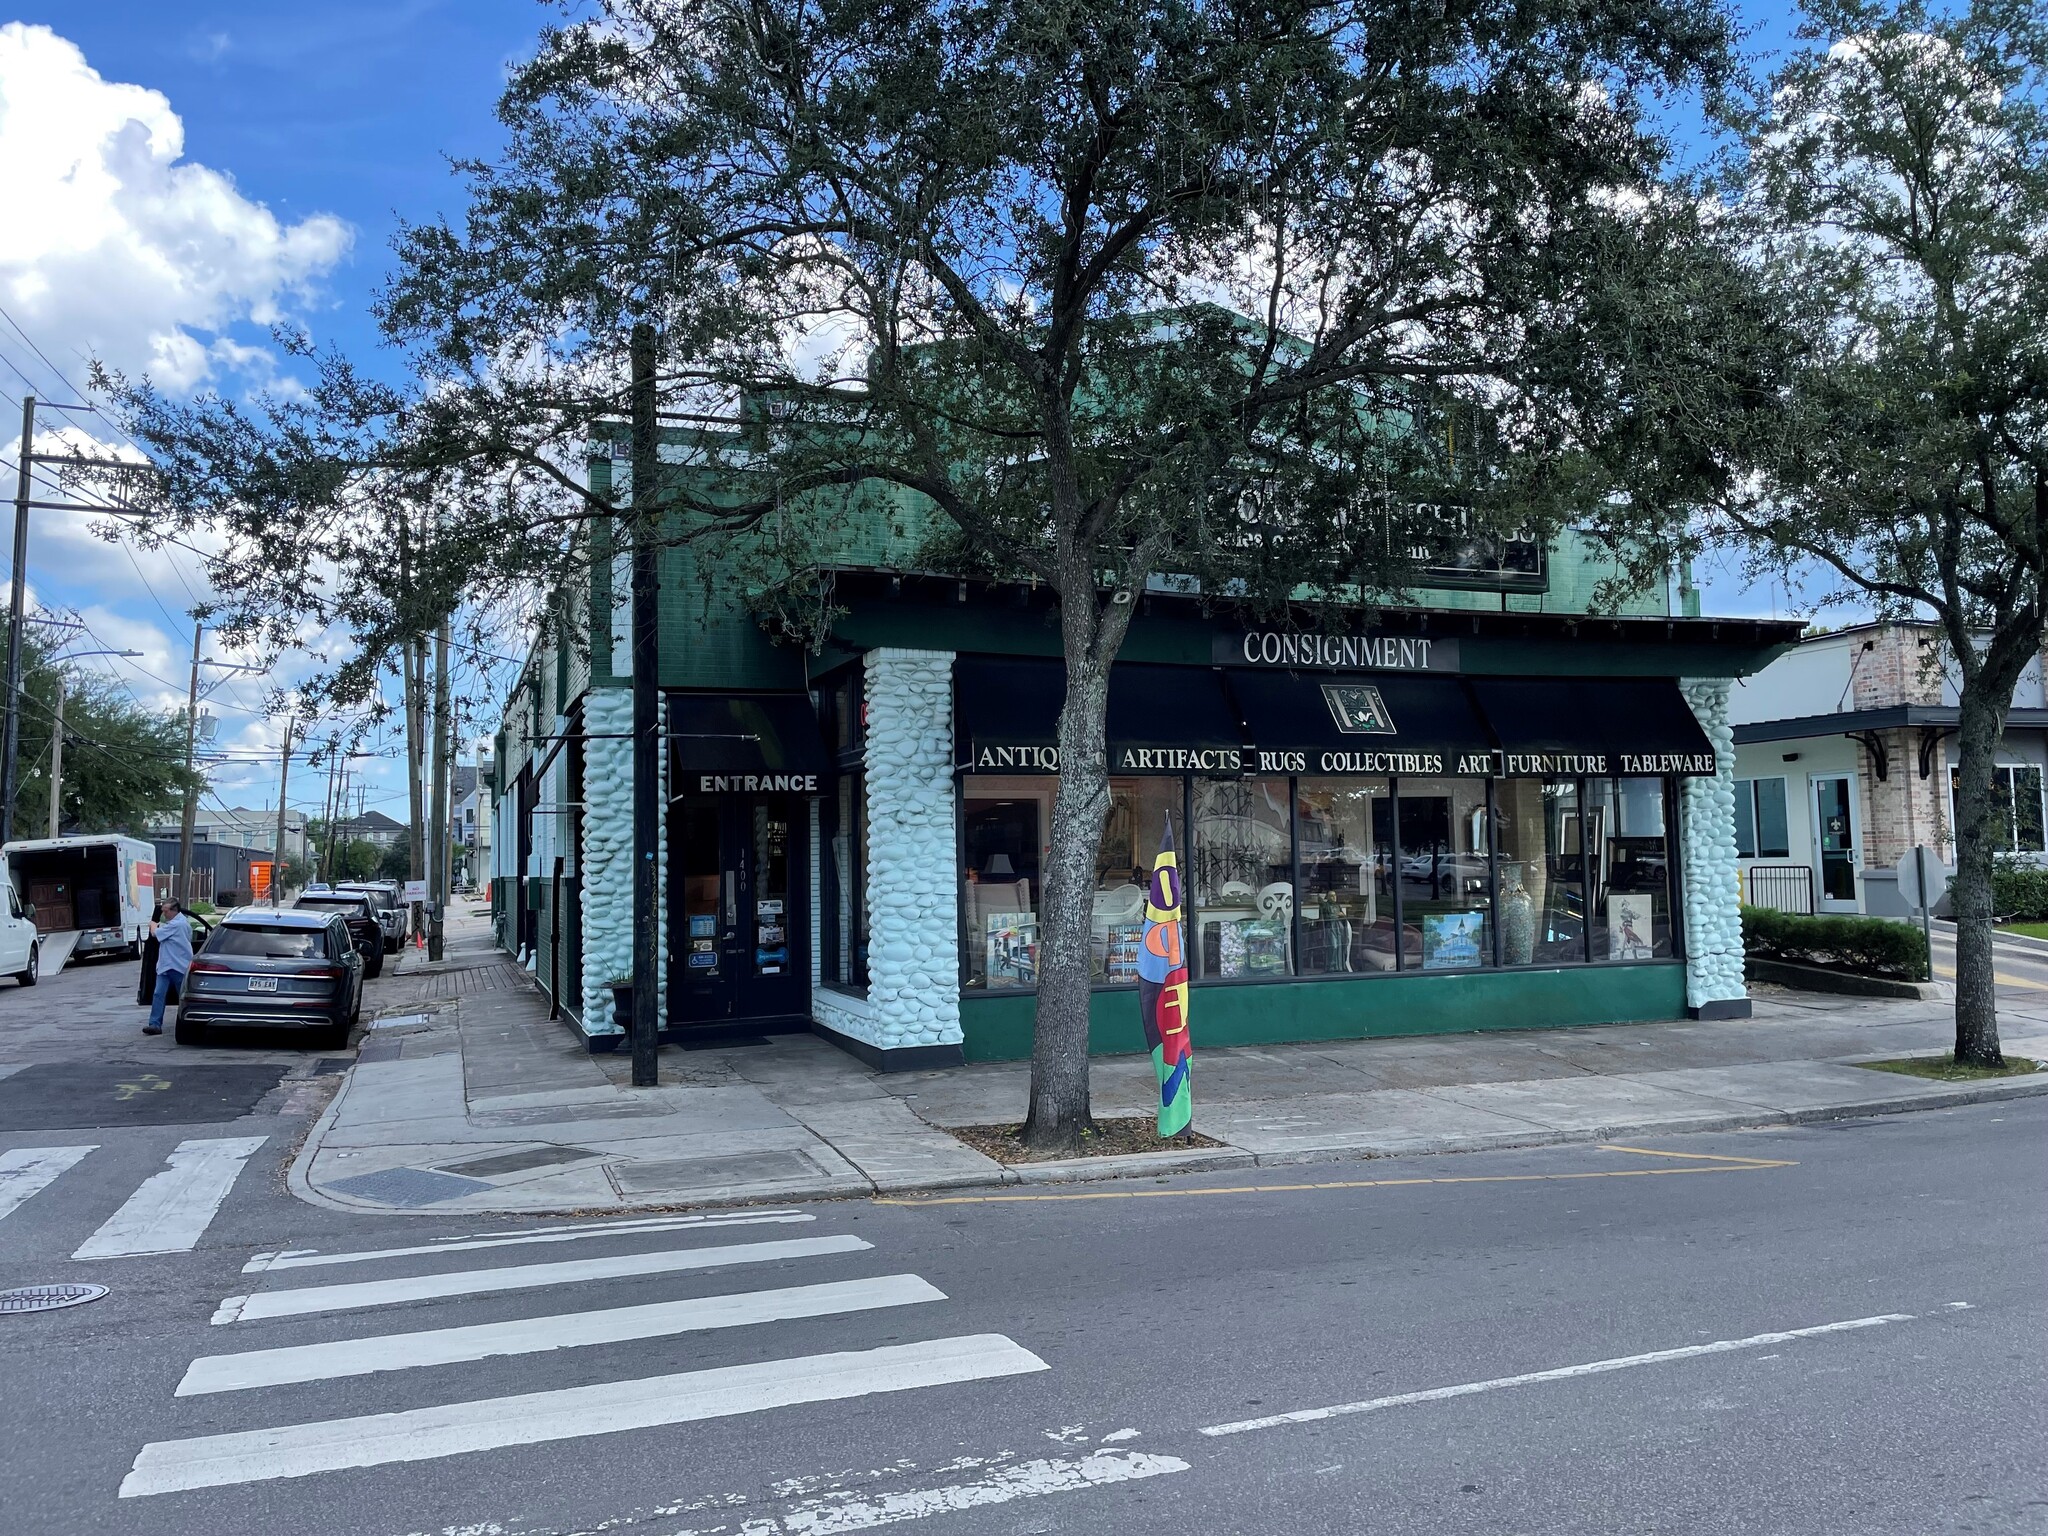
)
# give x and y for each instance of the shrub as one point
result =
(1869, 946)
(2019, 889)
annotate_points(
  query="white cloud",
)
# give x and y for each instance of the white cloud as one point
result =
(116, 246)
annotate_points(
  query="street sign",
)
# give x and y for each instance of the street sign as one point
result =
(415, 890)
(1917, 872)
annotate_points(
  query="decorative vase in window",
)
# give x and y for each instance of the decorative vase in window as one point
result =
(1517, 917)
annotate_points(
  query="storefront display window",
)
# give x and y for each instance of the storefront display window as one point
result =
(1629, 854)
(1445, 871)
(1333, 876)
(846, 944)
(1345, 832)
(1241, 879)
(1004, 823)
(1542, 899)
(1138, 809)
(2016, 825)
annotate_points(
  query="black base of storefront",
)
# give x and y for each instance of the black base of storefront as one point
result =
(912, 1058)
(1730, 1008)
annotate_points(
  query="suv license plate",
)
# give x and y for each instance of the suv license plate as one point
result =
(262, 983)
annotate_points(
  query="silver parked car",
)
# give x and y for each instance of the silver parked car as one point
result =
(391, 913)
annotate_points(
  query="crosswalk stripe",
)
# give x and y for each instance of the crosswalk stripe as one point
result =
(26, 1170)
(533, 1335)
(381, 1293)
(308, 1258)
(170, 1211)
(425, 1434)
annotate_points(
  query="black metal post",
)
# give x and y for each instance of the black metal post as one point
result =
(647, 806)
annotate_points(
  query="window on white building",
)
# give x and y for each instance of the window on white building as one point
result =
(2016, 796)
(1760, 831)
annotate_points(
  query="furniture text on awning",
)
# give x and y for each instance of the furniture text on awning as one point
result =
(1556, 727)
(765, 743)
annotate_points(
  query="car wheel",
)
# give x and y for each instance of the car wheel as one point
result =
(186, 1033)
(373, 965)
(29, 977)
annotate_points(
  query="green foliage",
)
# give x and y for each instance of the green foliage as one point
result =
(396, 864)
(2019, 889)
(294, 875)
(359, 859)
(1868, 946)
(124, 766)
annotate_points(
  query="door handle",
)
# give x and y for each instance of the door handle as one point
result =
(731, 905)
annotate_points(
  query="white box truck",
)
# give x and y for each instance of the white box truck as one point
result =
(99, 887)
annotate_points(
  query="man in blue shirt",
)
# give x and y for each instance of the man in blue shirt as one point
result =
(173, 960)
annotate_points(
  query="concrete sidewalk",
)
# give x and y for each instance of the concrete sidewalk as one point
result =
(466, 1097)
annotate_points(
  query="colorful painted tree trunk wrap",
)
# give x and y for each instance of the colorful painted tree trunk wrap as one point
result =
(1163, 990)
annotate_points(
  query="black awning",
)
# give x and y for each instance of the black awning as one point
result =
(763, 743)
(1387, 723)
(1170, 720)
(1560, 727)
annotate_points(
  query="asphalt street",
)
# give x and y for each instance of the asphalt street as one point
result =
(1828, 1328)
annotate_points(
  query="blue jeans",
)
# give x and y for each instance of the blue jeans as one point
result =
(165, 980)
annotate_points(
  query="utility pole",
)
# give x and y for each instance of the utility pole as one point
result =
(437, 889)
(646, 712)
(18, 596)
(284, 773)
(191, 782)
(329, 805)
(57, 760)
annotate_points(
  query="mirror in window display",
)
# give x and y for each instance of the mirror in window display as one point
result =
(1541, 908)
(1242, 878)
(1627, 851)
(1345, 830)
(1138, 809)
(1003, 826)
(1445, 871)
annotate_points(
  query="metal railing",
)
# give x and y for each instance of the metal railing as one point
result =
(1781, 887)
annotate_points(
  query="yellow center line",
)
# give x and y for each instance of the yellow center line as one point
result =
(2003, 980)
(1728, 1165)
(1702, 1157)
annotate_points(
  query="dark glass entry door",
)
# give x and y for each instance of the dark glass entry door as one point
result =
(738, 904)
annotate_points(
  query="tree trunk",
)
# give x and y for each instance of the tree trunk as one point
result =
(1060, 1111)
(1982, 723)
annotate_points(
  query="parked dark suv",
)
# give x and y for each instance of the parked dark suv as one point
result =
(354, 908)
(264, 969)
(390, 912)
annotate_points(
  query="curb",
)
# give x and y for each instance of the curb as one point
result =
(1090, 1170)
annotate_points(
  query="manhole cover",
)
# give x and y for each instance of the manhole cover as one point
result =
(48, 1298)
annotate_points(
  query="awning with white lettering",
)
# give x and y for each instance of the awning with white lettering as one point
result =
(766, 743)
(1561, 727)
(1164, 720)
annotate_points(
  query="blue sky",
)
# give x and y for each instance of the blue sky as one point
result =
(309, 130)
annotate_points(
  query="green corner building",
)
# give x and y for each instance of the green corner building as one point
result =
(1486, 808)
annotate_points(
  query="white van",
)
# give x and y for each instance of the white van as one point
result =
(21, 947)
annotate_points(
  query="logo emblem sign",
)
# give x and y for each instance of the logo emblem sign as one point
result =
(1358, 709)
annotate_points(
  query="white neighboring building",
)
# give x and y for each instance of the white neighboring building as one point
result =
(1843, 763)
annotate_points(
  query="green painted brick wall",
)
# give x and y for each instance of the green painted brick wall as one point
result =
(1273, 1013)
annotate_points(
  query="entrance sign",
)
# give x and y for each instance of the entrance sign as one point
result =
(757, 783)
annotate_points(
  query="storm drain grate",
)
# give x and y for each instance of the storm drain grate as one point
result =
(408, 1186)
(519, 1162)
(48, 1298)
(330, 1066)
